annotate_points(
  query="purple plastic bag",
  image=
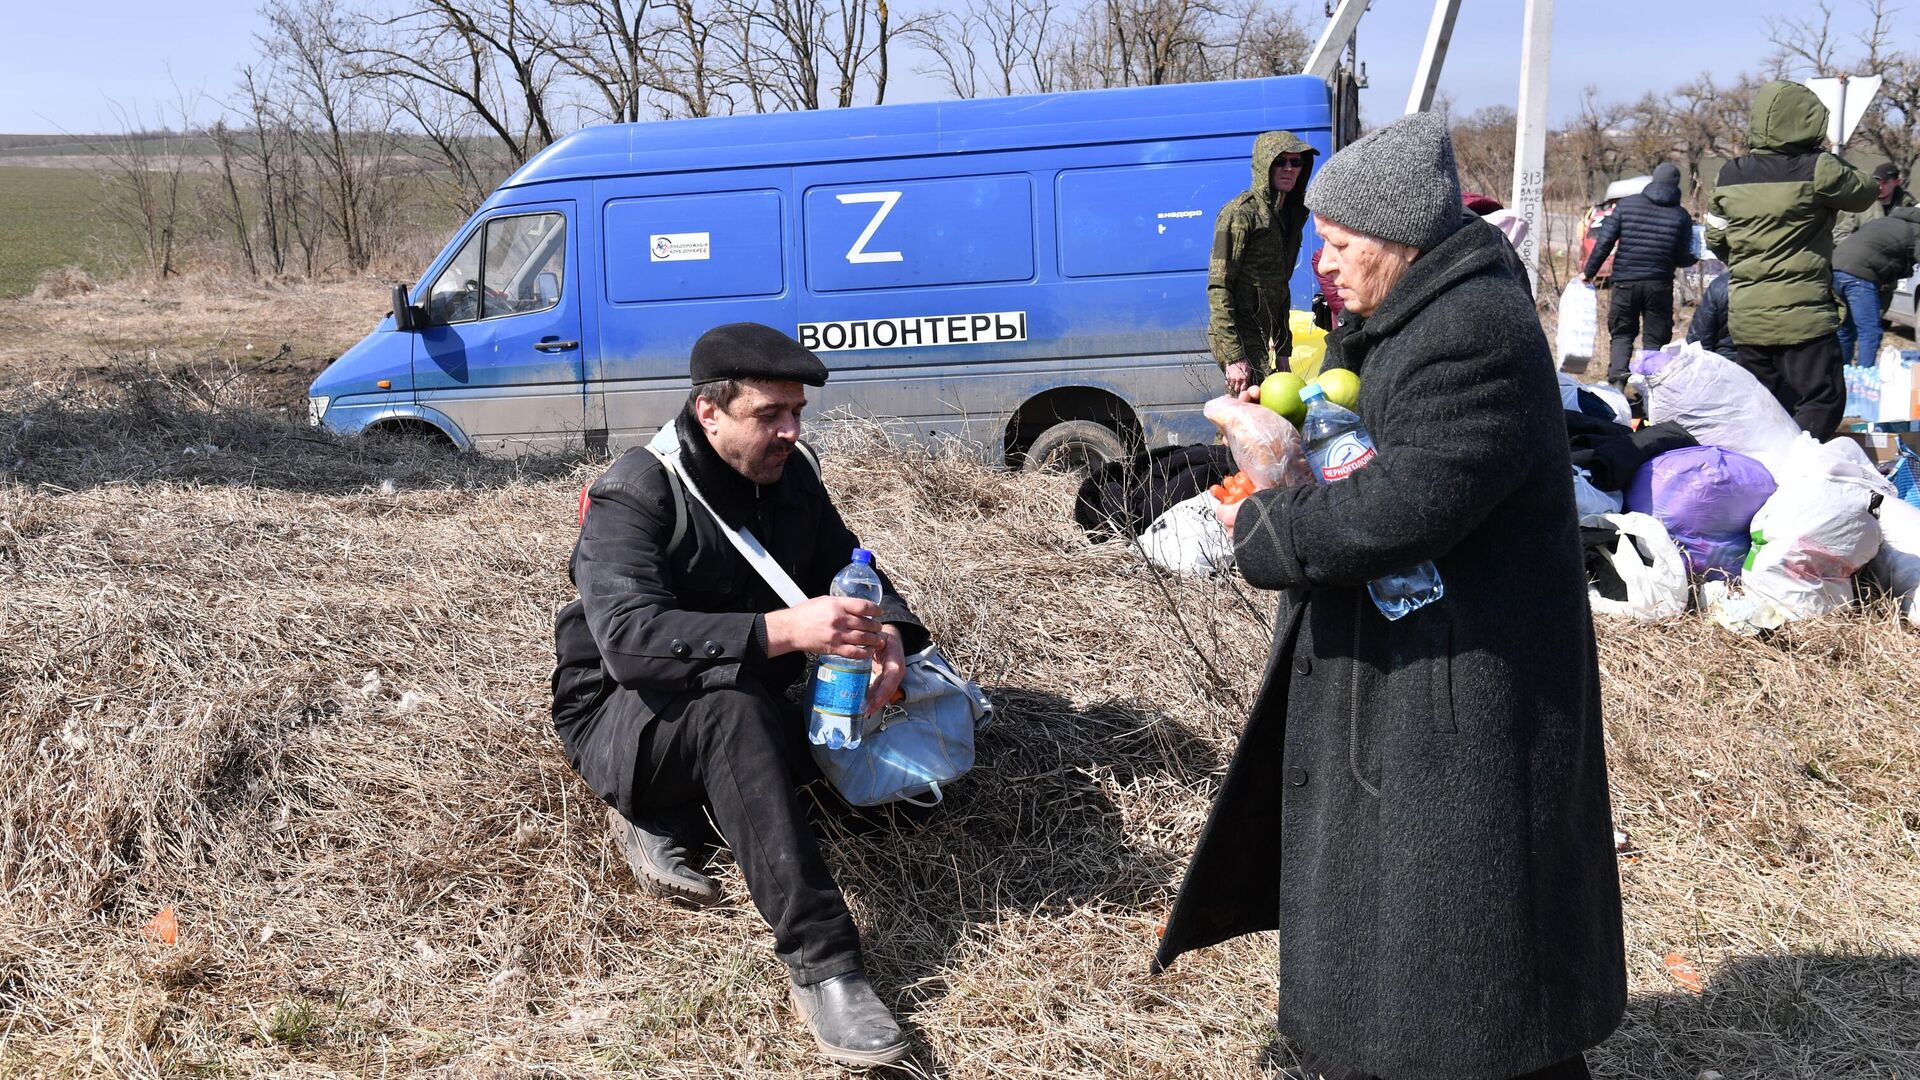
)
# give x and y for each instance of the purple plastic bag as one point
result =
(1706, 497)
(1649, 362)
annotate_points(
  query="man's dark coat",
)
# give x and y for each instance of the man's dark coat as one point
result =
(1420, 807)
(653, 624)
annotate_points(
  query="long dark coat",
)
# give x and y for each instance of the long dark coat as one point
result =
(1420, 807)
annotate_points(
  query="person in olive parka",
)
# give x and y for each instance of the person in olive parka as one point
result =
(1771, 221)
(1256, 241)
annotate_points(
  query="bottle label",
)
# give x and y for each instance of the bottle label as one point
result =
(1345, 455)
(839, 691)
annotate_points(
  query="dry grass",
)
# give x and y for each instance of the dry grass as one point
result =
(241, 677)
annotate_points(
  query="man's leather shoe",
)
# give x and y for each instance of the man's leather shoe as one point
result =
(849, 1022)
(659, 860)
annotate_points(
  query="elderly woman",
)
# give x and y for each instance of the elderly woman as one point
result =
(1420, 806)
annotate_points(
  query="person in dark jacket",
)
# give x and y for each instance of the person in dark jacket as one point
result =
(1256, 241)
(672, 668)
(1655, 237)
(1420, 806)
(1771, 221)
(1866, 267)
(1889, 195)
(1709, 325)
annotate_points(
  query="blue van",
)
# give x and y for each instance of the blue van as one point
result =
(1025, 273)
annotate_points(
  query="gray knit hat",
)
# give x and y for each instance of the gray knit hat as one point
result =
(1398, 183)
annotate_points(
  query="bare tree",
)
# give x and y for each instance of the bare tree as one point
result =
(1003, 47)
(343, 135)
(233, 207)
(809, 54)
(1154, 42)
(1483, 149)
(1706, 120)
(491, 60)
(145, 180)
(1812, 45)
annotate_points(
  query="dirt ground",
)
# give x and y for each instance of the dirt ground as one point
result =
(293, 690)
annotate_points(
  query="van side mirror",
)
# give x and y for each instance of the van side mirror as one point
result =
(405, 315)
(546, 288)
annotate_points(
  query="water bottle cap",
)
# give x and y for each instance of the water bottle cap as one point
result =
(1312, 392)
(862, 555)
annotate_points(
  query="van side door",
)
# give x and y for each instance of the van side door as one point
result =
(500, 353)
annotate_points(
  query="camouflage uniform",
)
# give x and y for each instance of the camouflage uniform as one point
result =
(1255, 245)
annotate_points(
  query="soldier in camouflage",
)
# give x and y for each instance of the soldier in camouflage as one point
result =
(1255, 243)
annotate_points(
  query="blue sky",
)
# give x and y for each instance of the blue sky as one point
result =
(61, 65)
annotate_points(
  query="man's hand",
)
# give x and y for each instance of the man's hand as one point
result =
(889, 667)
(1237, 377)
(840, 625)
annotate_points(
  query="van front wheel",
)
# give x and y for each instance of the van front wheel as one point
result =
(1075, 446)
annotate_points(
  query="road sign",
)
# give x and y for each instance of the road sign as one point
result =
(1846, 98)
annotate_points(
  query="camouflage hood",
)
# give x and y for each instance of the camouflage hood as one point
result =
(1266, 147)
(1787, 119)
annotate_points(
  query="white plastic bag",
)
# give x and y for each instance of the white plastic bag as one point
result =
(1188, 539)
(1652, 568)
(1590, 501)
(1897, 565)
(1717, 401)
(1579, 325)
(1809, 540)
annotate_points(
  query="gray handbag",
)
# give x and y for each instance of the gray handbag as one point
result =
(915, 745)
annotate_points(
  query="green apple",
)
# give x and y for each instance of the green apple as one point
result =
(1281, 392)
(1342, 387)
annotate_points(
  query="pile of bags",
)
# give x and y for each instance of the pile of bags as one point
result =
(1772, 524)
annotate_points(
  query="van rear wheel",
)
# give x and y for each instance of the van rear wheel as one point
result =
(1075, 446)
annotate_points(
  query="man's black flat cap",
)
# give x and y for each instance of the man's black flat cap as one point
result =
(745, 350)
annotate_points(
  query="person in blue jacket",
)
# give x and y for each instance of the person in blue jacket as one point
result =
(1654, 234)
(1709, 325)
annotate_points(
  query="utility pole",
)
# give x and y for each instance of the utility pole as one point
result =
(1333, 41)
(1426, 79)
(1530, 131)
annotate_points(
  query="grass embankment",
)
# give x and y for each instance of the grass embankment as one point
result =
(245, 677)
(48, 218)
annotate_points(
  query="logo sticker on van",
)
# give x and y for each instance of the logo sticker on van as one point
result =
(913, 332)
(679, 247)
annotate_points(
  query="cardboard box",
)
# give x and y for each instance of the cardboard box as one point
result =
(1885, 447)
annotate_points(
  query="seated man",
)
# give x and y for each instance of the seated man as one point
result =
(672, 667)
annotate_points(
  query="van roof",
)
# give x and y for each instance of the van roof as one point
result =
(888, 131)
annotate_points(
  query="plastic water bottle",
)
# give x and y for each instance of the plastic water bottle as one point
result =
(840, 684)
(1337, 447)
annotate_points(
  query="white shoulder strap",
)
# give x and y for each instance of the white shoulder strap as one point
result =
(666, 447)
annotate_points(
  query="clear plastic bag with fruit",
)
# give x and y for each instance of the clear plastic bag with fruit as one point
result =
(1265, 447)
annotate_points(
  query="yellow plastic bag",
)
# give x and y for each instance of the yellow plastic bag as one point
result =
(1309, 345)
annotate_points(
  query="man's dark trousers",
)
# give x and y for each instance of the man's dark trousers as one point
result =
(743, 752)
(1807, 379)
(1637, 304)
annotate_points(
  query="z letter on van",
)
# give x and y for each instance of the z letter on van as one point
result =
(679, 247)
(915, 332)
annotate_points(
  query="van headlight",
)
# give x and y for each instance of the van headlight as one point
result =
(316, 410)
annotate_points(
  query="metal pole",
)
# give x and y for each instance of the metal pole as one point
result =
(1839, 119)
(1426, 79)
(1326, 52)
(1530, 131)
